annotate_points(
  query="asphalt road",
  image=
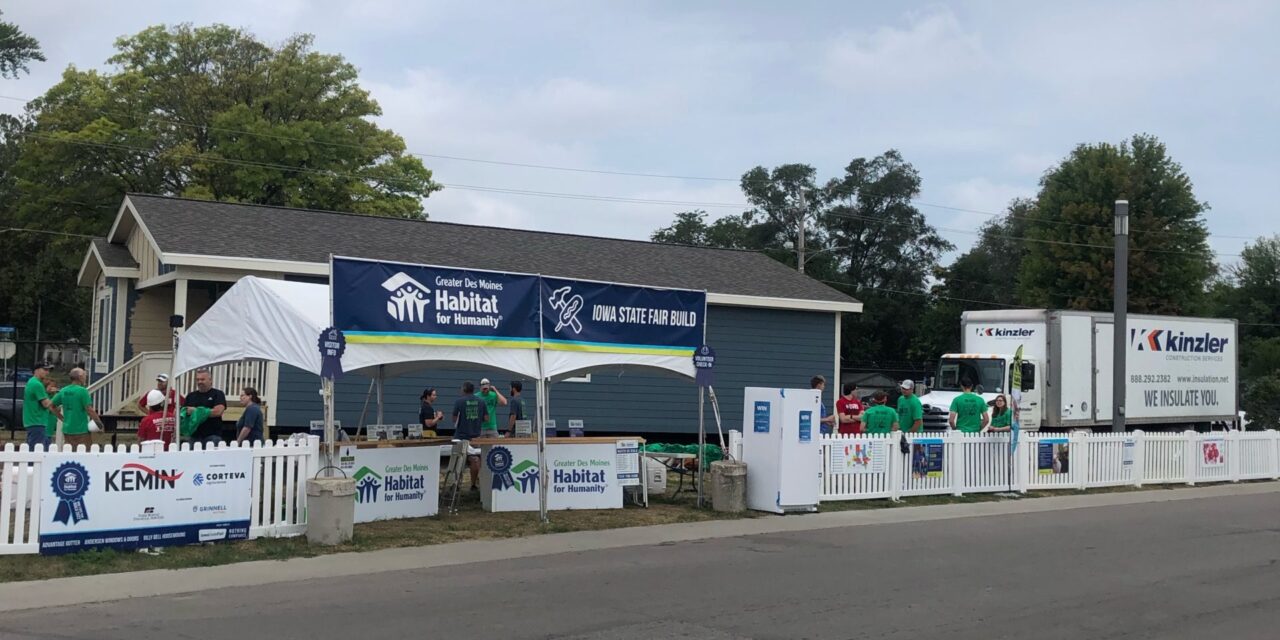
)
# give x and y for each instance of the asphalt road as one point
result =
(1204, 568)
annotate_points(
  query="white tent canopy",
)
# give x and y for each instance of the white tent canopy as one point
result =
(558, 365)
(262, 319)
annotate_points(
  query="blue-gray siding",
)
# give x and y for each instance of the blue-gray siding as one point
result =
(754, 347)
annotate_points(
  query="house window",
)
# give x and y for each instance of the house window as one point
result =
(586, 378)
(101, 348)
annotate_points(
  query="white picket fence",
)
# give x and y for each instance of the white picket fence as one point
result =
(981, 463)
(278, 499)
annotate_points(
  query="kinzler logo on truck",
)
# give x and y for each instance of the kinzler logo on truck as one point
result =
(1002, 332)
(1166, 340)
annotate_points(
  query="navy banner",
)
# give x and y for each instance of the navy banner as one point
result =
(614, 318)
(389, 303)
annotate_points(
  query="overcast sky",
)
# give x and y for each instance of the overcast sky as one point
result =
(981, 97)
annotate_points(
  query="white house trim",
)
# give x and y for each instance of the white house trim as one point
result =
(735, 300)
(110, 272)
(247, 264)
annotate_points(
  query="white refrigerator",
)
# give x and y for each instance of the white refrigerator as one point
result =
(780, 444)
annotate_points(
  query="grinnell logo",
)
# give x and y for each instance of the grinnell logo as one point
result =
(1166, 340)
(1000, 332)
(409, 298)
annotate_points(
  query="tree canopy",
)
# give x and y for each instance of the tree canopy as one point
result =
(17, 49)
(202, 112)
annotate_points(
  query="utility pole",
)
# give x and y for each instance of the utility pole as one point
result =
(800, 236)
(39, 315)
(1120, 310)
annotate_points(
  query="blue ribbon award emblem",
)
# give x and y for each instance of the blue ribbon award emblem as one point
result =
(70, 483)
(332, 345)
(499, 463)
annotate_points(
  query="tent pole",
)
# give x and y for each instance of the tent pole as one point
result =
(702, 441)
(381, 374)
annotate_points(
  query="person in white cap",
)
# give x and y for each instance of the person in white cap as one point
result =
(910, 411)
(492, 399)
(162, 385)
(158, 425)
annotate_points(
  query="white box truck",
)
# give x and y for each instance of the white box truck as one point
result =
(1182, 372)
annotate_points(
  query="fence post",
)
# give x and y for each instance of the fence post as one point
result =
(1020, 462)
(1273, 453)
(1189, 456)
(1139, 470)
(893, 482)
(1234, 448)
(955, 442)
(1079, 460)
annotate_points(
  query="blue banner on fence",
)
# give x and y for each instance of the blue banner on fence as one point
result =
(391, 303)
(614, 318)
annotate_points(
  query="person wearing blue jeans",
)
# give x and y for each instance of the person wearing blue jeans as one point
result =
(37, 408)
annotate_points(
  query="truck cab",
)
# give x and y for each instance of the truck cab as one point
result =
(991, 375)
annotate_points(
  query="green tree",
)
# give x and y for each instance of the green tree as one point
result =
(1249, 291)
(691, 228)
(1070, 263)
(16, 50)
(209, 112)
(885, 250)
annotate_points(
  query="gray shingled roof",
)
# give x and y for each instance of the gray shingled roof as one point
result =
(114, 256)
(277, 233)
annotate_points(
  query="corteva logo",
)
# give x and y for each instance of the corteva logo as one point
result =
(1004, 332)
(409, 298)
(1166, 340)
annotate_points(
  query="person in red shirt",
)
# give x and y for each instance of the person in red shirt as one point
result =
(158, 425)
(162, 385)
(848, 409)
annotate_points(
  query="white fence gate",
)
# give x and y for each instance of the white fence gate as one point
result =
(987, 463)
(278, 502)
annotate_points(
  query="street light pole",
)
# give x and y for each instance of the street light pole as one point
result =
(1120, 309)
(800, 260)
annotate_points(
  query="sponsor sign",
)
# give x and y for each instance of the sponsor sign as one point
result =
(614, 318)
(581, 476)
(391, 483)
(135, 500)
(1181, 368)
(853, 458)
(806, 426)
(391, 303)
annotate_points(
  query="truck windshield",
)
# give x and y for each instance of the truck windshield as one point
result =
(987, 376)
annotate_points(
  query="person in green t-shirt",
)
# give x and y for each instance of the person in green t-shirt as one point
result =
(51, 426)
(1001, 416)
(77, 409)
(968, 410)
(492, 400)
(37, 407)
(910, 411)
(878, 418)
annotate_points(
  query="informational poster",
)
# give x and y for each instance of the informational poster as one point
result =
(576, 429)
(582, 476)
(1053, 456)
(137, 500)
(628, 462)
(393, 482)
(857, 458)
(806, 426)
(1130, 447)
(1213, 452)
(762, 416)
(927, 458)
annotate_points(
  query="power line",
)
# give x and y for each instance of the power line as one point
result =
(44, 231)
(545, 194)
(851, 192)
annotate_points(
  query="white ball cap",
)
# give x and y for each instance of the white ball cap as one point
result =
(484, 381)
(154, 397)
(909, 385)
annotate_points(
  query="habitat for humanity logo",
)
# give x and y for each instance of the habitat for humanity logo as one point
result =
(1166, 340)
(568, 304)
(526, 474)
(409, 298)
(1005, 332)
(367, 484)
